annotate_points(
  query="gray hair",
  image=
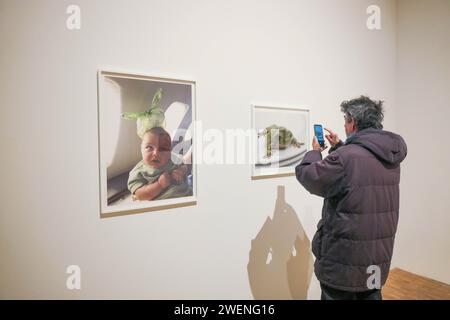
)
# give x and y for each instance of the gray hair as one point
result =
(366, 112)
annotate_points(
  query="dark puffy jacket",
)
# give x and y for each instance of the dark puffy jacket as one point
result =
(360, 184)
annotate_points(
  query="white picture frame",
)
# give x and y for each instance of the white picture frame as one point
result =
(119, 145)
(297, 120)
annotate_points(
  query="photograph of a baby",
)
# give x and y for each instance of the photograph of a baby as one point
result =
(146, 142)
(156, 176)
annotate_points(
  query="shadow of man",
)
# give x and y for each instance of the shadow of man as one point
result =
(280, 260)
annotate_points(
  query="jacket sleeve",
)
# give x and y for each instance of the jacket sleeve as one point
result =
(321, 177)
(338, 145)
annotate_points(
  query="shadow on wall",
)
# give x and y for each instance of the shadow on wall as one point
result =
(281, 263)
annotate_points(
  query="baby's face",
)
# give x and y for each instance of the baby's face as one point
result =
(155, 150)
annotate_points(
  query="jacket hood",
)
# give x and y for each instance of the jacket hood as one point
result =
(386, 146)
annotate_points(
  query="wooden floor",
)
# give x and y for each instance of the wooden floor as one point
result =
(404, 285)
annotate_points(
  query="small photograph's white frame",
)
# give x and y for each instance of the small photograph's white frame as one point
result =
(138, 206)
(275, 172)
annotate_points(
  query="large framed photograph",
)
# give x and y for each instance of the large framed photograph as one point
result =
(146, 142)
(280, 141)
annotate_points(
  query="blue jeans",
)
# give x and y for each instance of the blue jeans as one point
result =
(335, 294)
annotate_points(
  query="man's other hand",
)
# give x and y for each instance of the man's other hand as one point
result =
(332, 137)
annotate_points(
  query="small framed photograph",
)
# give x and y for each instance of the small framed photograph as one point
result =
(280, 141)
(146, 142)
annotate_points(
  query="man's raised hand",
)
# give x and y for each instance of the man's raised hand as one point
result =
(332, 137)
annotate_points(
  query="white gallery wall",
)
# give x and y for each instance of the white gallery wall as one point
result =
(306, 54)
(423, 239)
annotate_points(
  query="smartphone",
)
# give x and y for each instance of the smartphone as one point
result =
(318, 132)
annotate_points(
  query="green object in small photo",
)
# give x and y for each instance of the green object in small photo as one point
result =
(280, 141)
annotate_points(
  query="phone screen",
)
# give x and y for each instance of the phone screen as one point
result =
(318, 132)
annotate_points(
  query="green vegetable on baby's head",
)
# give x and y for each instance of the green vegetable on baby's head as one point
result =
(151, 118)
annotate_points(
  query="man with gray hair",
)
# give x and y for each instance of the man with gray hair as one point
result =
(359, 180)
